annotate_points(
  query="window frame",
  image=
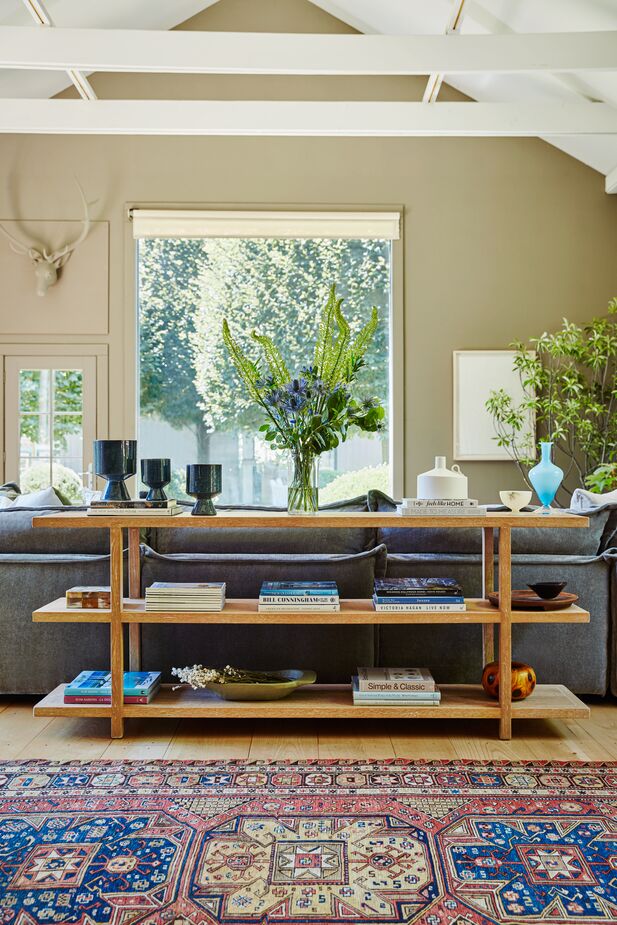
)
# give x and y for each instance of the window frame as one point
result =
(382, 223)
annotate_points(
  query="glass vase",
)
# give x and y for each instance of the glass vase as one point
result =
(302, 483)
(546, 478)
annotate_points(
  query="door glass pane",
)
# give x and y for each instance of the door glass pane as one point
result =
(34, 393)
(68, 390)
(34, 435)
(51, 431)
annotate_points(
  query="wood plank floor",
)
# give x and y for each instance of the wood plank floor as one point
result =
(24, 736)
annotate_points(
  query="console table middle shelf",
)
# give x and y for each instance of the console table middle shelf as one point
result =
(323, 701)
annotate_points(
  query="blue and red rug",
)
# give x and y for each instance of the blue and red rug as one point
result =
(435, 843)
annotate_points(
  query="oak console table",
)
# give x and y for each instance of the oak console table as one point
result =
(322, 701)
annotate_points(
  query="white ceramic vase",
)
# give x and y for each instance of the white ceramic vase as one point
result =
(440, 482)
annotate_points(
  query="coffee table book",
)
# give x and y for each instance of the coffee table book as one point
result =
(458, 701)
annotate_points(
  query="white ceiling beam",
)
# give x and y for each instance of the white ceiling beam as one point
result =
(179, 52)
(453, 26)
(611, 181)
(294, 118)
(42, 18)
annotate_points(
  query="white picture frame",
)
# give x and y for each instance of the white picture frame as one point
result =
(475, 374)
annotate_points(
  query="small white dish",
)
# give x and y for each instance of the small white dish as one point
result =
(515, 500)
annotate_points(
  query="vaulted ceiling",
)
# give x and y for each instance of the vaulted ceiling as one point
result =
(389, 17)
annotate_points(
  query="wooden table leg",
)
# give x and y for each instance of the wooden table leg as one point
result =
(488, 585)
(117, 637)
(505, 632)
(134, 592)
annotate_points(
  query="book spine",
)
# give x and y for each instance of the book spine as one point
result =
(401, 695)
(458, 599)
(395, 703)
(70, 698)
(300, 608)
(440, 502)
(132, 505)
(286, 600)
(396, 687)
(450, 511)
(416, 608)
(300, 593)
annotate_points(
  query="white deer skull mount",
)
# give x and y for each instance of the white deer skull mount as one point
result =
(47, 264)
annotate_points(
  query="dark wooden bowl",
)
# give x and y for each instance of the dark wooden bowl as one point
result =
(528, 600)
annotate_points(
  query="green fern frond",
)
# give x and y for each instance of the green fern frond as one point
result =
(247, 370)
(325, 331)
(339, 354)
(278, 367)
(365, 336)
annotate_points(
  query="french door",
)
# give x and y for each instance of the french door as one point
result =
(50, 418)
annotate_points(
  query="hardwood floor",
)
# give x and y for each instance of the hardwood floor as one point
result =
(24, 736)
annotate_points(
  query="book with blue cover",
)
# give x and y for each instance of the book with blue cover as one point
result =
(98, 683)
(297, 588)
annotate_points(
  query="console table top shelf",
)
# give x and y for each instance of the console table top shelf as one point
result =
(252, 519)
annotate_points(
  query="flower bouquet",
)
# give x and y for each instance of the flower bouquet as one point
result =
(312, 412)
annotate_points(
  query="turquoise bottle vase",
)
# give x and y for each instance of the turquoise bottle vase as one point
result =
(546, 478)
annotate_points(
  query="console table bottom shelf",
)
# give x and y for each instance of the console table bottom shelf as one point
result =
(548, 701)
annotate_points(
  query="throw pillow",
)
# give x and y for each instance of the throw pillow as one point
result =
(46, 497)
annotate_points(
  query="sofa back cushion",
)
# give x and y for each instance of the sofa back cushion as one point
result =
(525, 540)
(17, 535)
(271, 540)
(244, 573)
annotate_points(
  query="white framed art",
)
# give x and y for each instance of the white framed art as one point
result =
(475, 374)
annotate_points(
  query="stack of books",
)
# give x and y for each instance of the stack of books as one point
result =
(302, 596)
(404, 595)
(420, 507)
(395, 686)
(88, 597)
(137, 508)
(95, 687)
(185, 596)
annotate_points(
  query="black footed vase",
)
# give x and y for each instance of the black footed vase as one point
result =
(204, 481)
(156, 474)
(116, 461)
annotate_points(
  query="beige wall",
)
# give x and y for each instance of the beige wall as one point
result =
(502, 237)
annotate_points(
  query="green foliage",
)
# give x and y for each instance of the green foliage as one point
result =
(603, 479)
(66, 483)
(272, 286)
(569, 381)
(312, 413)
(357, 482)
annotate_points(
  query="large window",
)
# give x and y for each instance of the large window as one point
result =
(192, 406)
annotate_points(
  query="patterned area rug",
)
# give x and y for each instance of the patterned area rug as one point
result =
(436, 843)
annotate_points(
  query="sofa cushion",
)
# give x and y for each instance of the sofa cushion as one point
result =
(525, 540)
(244, 573)
(17, 535)
(268, 539)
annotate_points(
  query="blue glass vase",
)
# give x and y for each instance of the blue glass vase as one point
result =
(546, 478)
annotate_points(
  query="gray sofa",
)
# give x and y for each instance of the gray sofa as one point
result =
(37, 566)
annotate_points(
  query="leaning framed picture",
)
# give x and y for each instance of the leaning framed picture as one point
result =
(475, 374)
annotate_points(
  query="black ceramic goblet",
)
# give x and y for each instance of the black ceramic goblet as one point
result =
(204, 481)
(115, 460)
(156, 474)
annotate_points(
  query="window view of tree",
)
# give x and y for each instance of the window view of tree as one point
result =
(192, 405)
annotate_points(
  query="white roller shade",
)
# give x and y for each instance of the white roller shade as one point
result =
(195, 223)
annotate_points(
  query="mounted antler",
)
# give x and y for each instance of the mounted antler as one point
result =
(47, 265)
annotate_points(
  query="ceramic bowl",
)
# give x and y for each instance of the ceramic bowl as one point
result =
(515, 500)
(290, 680)
(547, 590)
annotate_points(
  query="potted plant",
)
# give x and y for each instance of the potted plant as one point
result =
(311, 412)
(569, 381)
